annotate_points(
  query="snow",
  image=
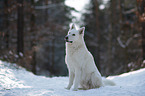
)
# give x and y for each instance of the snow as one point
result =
(16, 81)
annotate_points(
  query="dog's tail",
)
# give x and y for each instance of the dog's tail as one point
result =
(108, 82)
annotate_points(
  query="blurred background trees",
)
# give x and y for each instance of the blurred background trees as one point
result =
(32, 34)
(119, 40)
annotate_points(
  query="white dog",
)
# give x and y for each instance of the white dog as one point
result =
(80, 62)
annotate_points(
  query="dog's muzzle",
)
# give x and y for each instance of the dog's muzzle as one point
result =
(66, 39)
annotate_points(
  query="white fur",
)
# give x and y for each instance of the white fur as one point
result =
(80, 63)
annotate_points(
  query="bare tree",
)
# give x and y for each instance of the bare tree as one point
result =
(6, 24)
(20, 24)
(33, 42)
(141, 17)
(97, 33)
(143, 27)
(110, 35)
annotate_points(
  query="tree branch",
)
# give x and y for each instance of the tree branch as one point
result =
(128, 41)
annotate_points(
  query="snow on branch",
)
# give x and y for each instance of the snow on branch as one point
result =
(128, 41)
(130, 11)
(120, 42)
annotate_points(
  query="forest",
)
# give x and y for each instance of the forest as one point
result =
(32, 34)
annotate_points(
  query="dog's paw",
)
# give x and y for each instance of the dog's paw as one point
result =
(67, 88)
(75, 89)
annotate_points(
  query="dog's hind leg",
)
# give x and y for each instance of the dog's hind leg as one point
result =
(71, 79)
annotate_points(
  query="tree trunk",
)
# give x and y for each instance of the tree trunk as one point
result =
(110, 35)
(143, 28)
(97, 35)
(20, 24)
(112, 16)
(53, 54)
(33, 41)
(143, 39)
(6, 24)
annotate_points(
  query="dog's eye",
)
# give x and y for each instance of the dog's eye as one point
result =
(73, 34)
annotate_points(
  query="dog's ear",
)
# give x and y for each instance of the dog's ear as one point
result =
(81, 30)
(72, 26)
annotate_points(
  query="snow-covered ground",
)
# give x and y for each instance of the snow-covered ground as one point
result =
(16, 81)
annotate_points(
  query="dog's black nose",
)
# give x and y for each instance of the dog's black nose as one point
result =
(66, 37)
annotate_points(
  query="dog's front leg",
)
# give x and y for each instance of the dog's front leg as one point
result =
(77, 79)
(71, 79)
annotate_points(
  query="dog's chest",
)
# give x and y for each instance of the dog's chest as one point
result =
(75, 55)
(76, 58)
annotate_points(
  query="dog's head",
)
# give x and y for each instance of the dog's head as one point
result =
(74, 35)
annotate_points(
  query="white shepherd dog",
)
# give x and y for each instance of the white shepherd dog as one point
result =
(80, 62)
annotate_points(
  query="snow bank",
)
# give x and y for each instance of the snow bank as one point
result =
(16, 81)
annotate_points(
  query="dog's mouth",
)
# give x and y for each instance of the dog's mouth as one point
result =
(66, 40)
(69, 41)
